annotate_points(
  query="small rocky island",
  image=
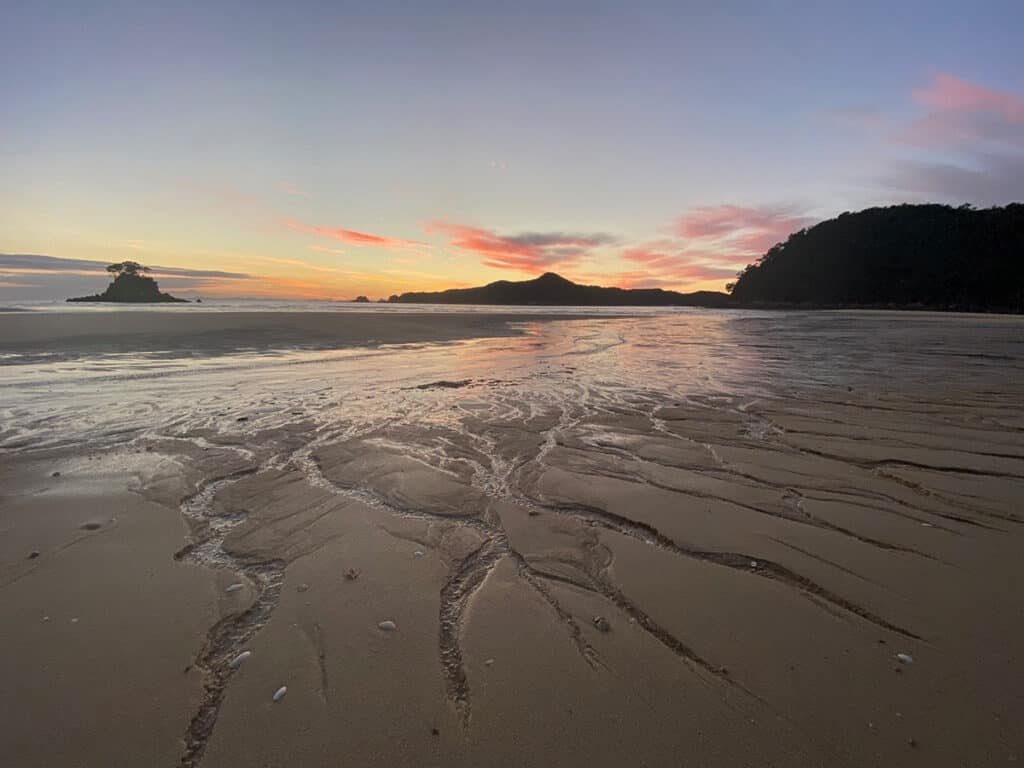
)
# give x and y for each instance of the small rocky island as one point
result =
(130, 286)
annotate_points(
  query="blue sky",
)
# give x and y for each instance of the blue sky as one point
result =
(328, 149)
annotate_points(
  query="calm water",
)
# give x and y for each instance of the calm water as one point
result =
(268, 305)
(651, 355)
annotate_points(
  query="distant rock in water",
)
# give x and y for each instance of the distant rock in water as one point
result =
(361, 300)
(554, 290)
(903, 256)
(131, 287)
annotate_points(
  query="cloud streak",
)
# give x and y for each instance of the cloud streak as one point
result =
(681, 265)
(353, 237)
(34, 276)
(325, 249)
(979, 132)
(988, 180)
(33, 263)
(964, 115)
(739, 231)
(529, 252)
(952, 94)
(708, 245)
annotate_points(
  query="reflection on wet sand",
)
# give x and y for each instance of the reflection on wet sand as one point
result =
(710, 538)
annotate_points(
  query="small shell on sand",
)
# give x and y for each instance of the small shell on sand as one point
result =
(418, 553)
(906, 658)
(237, 661)
(233, 587)
(280, 692)
(388, 626)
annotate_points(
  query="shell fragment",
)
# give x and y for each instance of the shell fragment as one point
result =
(237, 661)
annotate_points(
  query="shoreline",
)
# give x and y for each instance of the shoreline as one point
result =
(378, 309)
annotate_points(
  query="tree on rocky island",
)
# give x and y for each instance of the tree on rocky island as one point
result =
(131, 286)
(127, 268)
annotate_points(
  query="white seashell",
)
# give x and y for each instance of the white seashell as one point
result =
(753, 563)
(237, 661)
(418, 553)
(489, 662)
(388, 626)
(906, 658)
(280, 692)
(74, 620)
(234, 588)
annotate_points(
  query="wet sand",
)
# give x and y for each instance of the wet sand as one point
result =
(194, 332)
(586, 564)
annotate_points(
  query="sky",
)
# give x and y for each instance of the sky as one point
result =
(330, 149)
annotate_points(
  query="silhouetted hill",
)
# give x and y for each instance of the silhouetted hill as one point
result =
(553, 290)
(132, 289)
(908, 256)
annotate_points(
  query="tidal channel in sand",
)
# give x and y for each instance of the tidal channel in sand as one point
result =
(683, 538)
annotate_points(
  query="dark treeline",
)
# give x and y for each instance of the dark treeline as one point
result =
(554, 290)
(928, 256)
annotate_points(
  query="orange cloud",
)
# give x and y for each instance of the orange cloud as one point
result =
(529, 252)
(352, 237)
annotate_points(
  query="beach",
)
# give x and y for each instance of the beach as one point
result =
(457, 538)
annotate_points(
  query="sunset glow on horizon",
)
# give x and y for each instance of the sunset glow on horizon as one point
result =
(335, 150)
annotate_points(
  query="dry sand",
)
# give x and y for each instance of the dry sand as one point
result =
(754, 566)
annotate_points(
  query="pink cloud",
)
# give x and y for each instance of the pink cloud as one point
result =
(679, 266)
(683, 265)
(352, 237)
(948, 92)
(738, 231)
(529, 252)
(710, 244)
(964, 114)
